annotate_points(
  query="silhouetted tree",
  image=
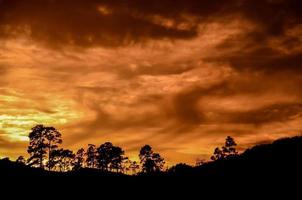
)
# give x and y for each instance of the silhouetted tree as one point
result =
(130, 167)
(117, 157)
(133, 167)
(42, 140)
(228, 150)
(110, 157)
(37, 146)
(53, 137)
(62, 159)
(56, 156)
(91, 156)
(103, 157)
(158, 162)
(218, 154)
(151, 162)
(21, 160)
(79, 159)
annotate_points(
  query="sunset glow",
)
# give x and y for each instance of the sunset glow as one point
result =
(176, 75)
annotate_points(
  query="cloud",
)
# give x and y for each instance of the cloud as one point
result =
(179, 75)
(265, 57)
(118, 23)
(11, 148)
(273, 113)
(80, 23)
(274, 17)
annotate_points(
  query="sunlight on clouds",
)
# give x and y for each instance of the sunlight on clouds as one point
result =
(7, 98)
(103, 94)
(104, 10)
(143, 93)
(16, 124)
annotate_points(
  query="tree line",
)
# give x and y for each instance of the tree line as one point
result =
(45, 152)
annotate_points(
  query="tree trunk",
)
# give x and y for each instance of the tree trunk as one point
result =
(41, 160)
(41, 154)
(49, 151)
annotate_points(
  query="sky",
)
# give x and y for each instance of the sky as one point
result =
(180, 75)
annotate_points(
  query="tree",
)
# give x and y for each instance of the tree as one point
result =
(42, 140)
(110, 157)
(79, 159)
(229, 148)
(91, 156)
(54, 138)
(21, 160)
(116, 159)
(158, 162)
(151, 162)
(134, 167)
(62, 159)
(218, 154)
(131, 166)
(37, 146)
(67, 158)
(103, 158)
(227, 151)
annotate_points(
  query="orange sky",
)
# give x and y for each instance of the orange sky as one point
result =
(179, 75)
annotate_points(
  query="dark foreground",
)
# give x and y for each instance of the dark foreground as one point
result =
(269, 168)
(281, 159)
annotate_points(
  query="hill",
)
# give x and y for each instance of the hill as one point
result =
(281, 158)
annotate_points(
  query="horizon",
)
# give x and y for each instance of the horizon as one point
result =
(180, 75)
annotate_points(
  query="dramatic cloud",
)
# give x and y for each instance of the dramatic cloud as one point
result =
(179, 75)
